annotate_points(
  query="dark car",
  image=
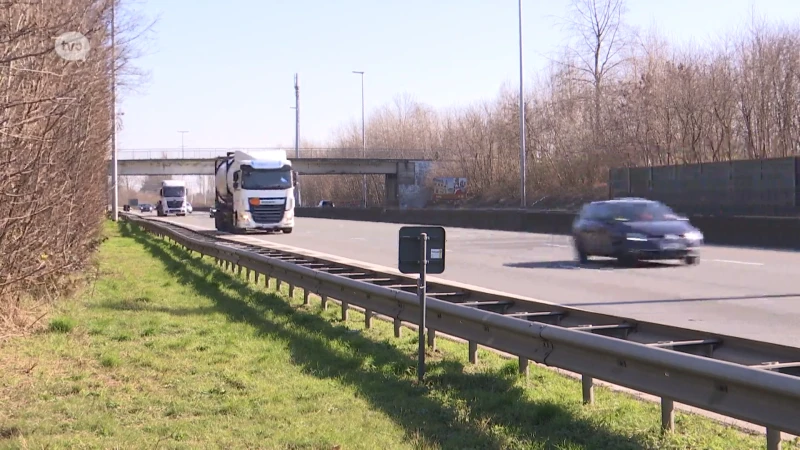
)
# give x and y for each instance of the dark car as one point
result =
(325, 204)
(145, 207)
(634, 229)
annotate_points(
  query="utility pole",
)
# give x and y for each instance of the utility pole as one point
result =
(297, 197)
(182, 149)
(522, 169)
(363, 136)
(114, 165)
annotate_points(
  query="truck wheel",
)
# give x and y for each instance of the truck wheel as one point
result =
(287, 230)
(180, 214)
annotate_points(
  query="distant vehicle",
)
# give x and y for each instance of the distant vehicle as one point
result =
(173, 198)
(145, 207)
(325, 204)
(212, 211)
(126, 207)
(634, 229)
(254, 191)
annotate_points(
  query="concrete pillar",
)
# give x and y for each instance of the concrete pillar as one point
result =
(392, 199)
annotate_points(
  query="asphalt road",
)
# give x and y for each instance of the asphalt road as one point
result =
(744, 292)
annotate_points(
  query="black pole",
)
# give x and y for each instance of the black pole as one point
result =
(421, 291)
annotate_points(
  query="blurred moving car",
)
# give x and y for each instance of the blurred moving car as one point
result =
(212, 211)
(634, 229)
(325, 204)
(145, 207)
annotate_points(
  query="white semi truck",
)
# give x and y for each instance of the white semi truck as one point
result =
(254, 191)
(173, 198)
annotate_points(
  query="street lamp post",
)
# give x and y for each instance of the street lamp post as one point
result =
(522, 169)
(182, 149)
(114, 163)
(363, 135)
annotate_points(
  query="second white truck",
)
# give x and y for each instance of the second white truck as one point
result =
(254, 191)
(173, 198)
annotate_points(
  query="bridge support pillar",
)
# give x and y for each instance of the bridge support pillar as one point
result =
(392, 197)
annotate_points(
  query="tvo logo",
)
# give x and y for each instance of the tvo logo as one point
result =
(72, 46)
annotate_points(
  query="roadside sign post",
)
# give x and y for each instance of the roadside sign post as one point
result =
(421, 251)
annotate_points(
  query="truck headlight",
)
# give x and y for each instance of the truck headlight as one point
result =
(636, 237)
(693, 236)
(289, 203)
(244, 216)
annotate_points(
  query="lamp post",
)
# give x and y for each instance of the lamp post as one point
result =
(182, 149)
(363, 135)
(522, 171)
(114, 165)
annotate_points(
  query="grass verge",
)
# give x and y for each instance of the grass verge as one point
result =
(167, 351)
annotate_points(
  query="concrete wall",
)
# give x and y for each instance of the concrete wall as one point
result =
(765, 232)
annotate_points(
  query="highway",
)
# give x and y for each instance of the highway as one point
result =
(742, 292)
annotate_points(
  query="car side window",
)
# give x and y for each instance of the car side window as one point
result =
(589, 212)
(603, 212)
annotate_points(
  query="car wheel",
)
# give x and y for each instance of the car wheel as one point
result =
(692, 260)
(628, 260)
(582, 256)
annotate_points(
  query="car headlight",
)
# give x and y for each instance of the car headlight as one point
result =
(693, 236)
(636, 237)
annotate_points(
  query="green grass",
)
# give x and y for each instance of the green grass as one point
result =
(167, 351)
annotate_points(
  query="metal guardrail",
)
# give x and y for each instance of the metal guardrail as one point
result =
(753, 381)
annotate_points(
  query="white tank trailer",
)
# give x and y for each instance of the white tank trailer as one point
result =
(254, 191)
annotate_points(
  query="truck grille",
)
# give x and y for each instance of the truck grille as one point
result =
(174, 204)
(269, 211)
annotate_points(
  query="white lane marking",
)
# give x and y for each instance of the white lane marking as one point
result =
(358, 239)
(745, 263)
(557, 245)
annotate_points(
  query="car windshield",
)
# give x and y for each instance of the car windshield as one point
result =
(641, 212)
(266, 179)
(174, 191)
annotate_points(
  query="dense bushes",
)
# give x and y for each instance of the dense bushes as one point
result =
(56, 126)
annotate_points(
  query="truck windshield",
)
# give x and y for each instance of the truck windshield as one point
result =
(266, 179)
(174, 191)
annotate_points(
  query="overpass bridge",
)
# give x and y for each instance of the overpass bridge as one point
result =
(401, 175)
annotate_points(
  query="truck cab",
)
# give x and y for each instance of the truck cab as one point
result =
(173, 198)
(255, 191)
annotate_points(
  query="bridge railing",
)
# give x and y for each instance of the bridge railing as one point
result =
(210, 153)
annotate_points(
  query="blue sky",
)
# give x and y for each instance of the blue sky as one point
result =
(224, 70)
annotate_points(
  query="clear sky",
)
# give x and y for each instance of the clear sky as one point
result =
(224, 70)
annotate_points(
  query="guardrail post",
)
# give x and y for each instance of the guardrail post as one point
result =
(291, 291)
(324, 302)
(277, 284)
(345, 311)
(431, 338)
(256, 277)
(398, 328)
(239, 270)
(305, 297)
(248, 274)
(667, 414)
(523, 366)
(773, 439)
(587, 385)
(367, 319)
(473, 352)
